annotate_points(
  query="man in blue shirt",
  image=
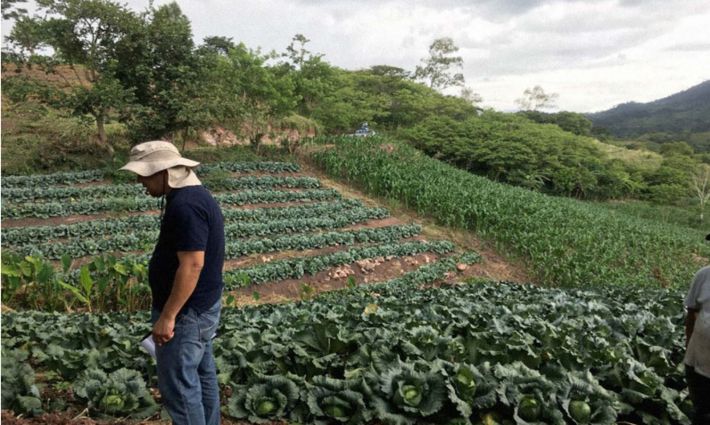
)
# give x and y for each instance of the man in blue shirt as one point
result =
(185, 275)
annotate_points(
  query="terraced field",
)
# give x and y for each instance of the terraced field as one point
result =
(398, 343)
(280, 225)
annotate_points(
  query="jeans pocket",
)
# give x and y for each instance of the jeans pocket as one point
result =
(208, 322)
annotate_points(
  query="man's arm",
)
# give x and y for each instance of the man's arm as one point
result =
(186, 277)
(690, 317)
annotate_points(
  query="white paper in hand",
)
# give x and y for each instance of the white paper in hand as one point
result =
(148, 345)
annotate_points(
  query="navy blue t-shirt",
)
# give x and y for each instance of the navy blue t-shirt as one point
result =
(192, 222)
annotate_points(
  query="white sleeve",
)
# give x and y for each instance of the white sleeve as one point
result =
(701, 277)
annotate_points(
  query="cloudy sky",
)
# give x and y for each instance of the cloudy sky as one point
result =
(594, 54)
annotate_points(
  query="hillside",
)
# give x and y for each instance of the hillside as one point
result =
(680, 113)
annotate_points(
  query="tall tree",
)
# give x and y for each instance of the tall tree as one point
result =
(10, 9)
(219, 44)
(169, 76)
(244, 93)
(297, 53)
(89, 33)
(437, 68)
(26, 36)
(313, 77)
(700, 184)
(536, 98)
(470, 96)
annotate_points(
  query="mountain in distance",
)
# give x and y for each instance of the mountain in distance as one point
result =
(681, 114)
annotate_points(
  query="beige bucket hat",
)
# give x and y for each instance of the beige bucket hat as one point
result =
(148, 158)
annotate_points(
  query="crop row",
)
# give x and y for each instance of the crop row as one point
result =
(242, 167)
(396, 353)
(107, 371)
(126, 242)
(21, 238)
(56, 209)
(109, 283)
(567, 242)
(296, 268)
(61, 178)
(26, 194)
(256, 182)
(46, 180)
(69, 193)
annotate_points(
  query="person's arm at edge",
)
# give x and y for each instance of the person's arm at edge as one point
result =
(186, 277)
(690, 317)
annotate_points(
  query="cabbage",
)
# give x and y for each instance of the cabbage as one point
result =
(333, 399)
(265, 406)
(580, 411)
(120, 393)
(112, 403)
(407, 393)
(264, 399)
(529, 409)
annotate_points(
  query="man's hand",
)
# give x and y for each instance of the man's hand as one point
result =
(163, 330)
(186, 277)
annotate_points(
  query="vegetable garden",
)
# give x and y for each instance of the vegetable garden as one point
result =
(402, 351)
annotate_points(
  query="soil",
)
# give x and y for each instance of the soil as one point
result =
(360, 273)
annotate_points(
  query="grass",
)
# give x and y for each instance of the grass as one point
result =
(642, 160)
(688, 216)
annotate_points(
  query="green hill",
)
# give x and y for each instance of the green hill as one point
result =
(681, 116)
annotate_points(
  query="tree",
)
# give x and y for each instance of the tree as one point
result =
(536, 98)
(436, 70)
(470, 96)
(700, 184)
(219, 44)
(297, 53)
(313, 77)
(27, 36)
(247, 95)
(676, 148)
(89, 33)
(389, 71)
(11, 11)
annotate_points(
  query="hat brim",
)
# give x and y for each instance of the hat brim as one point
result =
(148, 168)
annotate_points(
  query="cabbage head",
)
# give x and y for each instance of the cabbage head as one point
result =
(122, 393)
(333, 400)
(263, 400)
(407, 393)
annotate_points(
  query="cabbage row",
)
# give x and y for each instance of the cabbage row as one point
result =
(566, 242)
(145, 240)
(45, 180)
(400, 354)
(69, 193)
(256, 182)
(144, 203)
(242, 167)
(32, 234)
(25, 240)
(296, 268)
(72, 177)
(39, 193)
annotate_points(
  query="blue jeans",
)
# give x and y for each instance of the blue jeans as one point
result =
(187, 375)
